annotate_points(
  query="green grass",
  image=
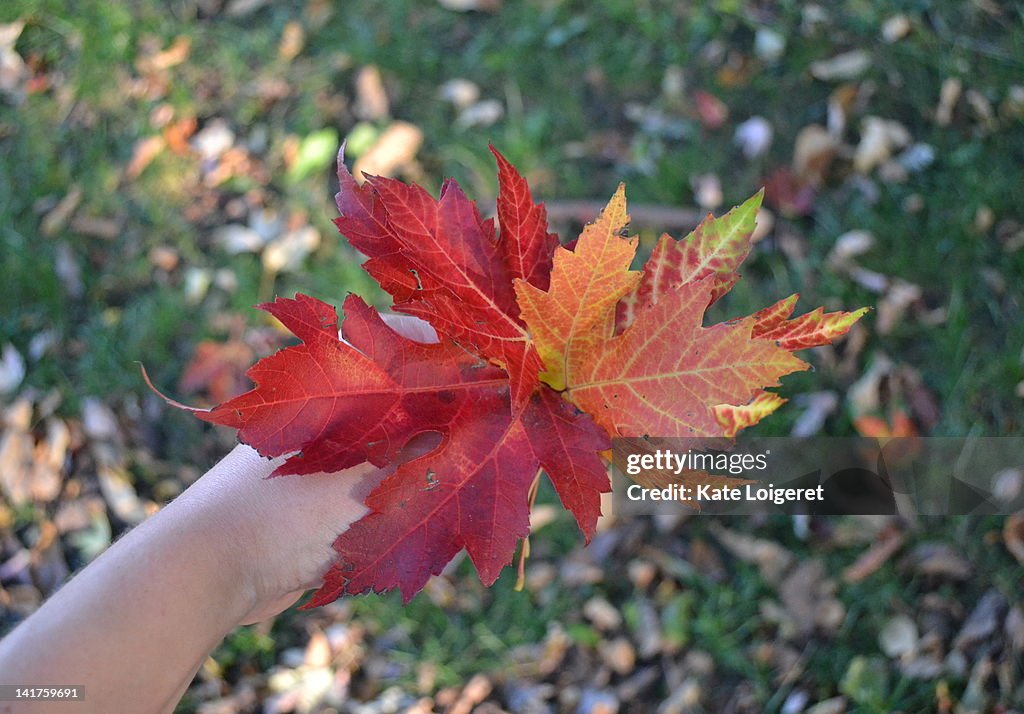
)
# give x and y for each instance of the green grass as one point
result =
(565, 73)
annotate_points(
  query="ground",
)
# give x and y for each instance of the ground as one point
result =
(168, 165)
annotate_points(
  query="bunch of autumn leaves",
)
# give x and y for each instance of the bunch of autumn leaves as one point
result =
(545, 353)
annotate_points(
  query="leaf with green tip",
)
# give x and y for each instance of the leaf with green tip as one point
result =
(666, 373)
(716, 247)
(735, 418)
(774, 315)
(813, 329)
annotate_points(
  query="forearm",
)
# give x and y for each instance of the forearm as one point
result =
(135, 624)
(234, 548)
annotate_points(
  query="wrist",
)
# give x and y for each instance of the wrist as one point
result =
(215, 516)
(204, 523)
(274, 536)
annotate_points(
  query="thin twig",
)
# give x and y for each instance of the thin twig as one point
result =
(649, 215)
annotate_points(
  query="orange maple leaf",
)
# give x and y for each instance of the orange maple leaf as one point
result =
(665, 374)
(573, 315)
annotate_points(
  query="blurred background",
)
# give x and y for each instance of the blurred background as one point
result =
(166, 165)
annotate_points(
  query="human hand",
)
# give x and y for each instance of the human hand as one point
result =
(279, 531)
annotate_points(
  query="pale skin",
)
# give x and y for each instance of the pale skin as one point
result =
(235, 548)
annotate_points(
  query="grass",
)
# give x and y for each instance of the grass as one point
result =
(565, 74)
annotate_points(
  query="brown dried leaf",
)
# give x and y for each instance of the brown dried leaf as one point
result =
(879, 138)
(771, 558)
(174, 55)
(176, 134)
(475, 691)
(809, 597)
(618, 655)
(876, 556)
(318, 650)
(218, 370)
(846, 65)
(394, 149)
(813, 152)
(16, 453)
(949, 95)
(143, 154)
(938, 560)
(1013, 535)
(96, 227)
(56, 220)
(371, 98)
(900, 296)
(895, 28)
(602, 614)
(293, 39)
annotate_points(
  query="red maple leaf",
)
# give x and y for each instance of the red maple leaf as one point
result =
(442, 263)
(218, 369)
(544, 352)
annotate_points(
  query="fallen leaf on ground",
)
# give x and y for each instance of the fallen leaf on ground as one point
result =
(789, 195)
(460, 92)
(772, 559)
(57, 219)
(293, 39)
(286, 253)
(711, 110)
(949, 95)
(1013, 535)
(938, 560)
(879, 138)
(393, 150)
(371, 98)
(847, 65)
(810, 598)
(898, 638)
(13, 71)
(813, 152)
(983, 621)
(483, 113)
(143, 154)
(217, 370)
(868, 562)
(896, 27)
(176, 53)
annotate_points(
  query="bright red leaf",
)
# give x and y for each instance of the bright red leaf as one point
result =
(442, 263)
